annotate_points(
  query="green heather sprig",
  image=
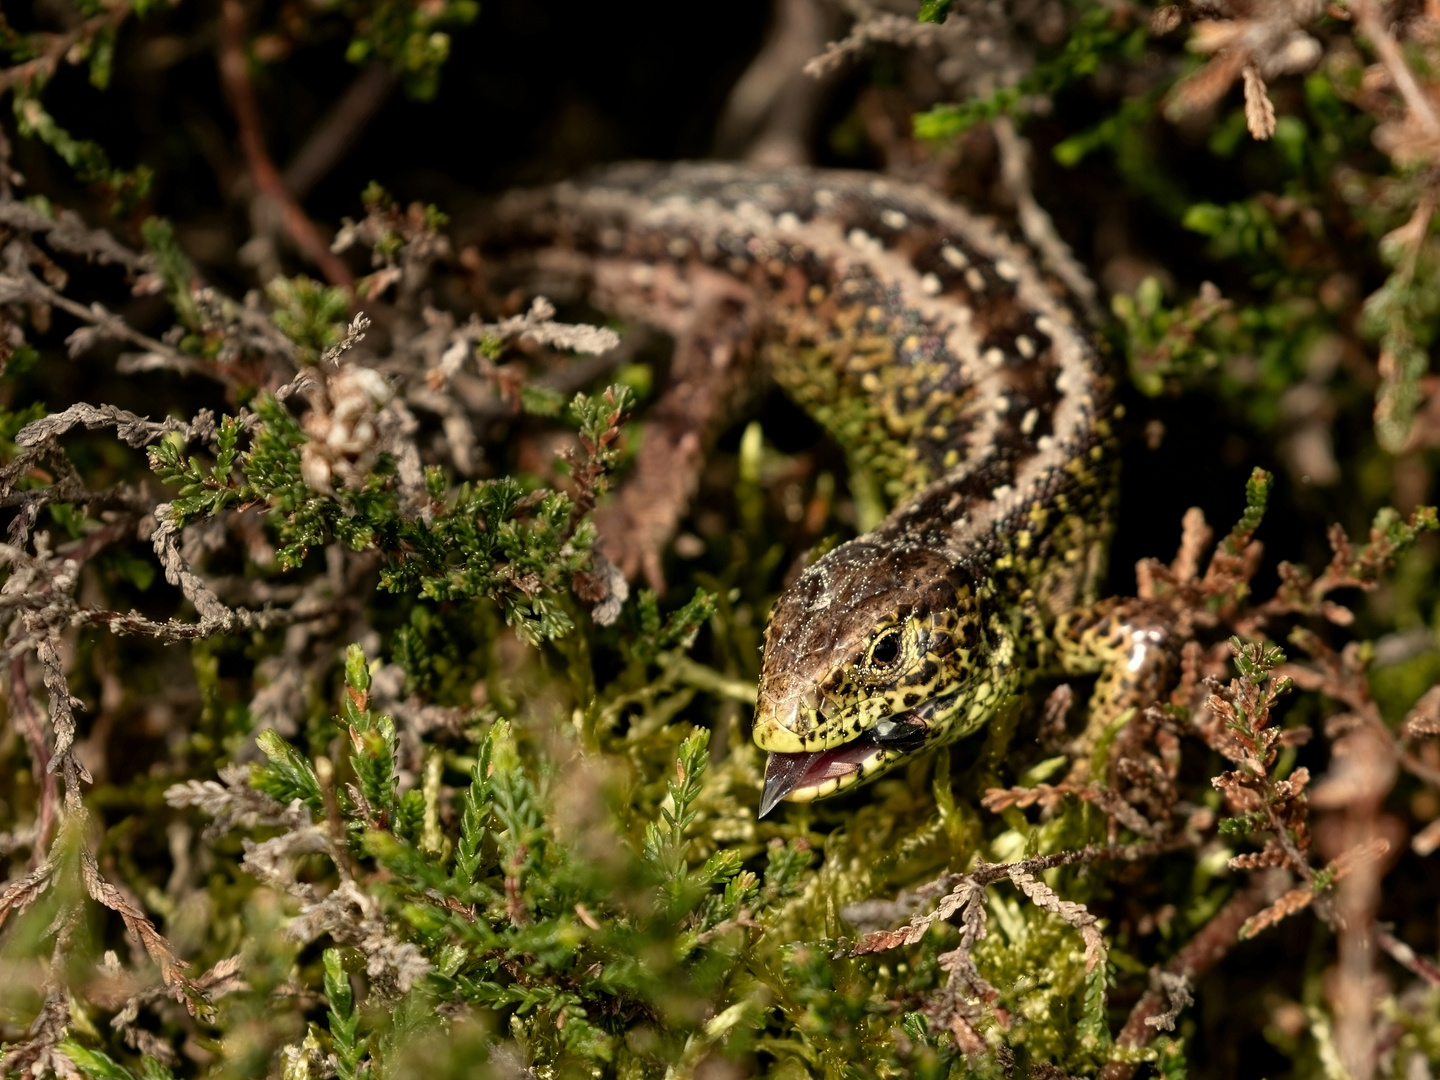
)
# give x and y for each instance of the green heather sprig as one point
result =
(490, 539)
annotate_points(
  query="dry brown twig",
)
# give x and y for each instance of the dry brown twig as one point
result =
(1268, 41)
(1235, 719)
(60, 45)
(1259, 109)
(957, 1007)
(270, 186)
(1356, 833)
(1419, 105)
(1202, 952)
(961, 887)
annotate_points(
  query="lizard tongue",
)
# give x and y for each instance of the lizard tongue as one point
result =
(786, 772)
(783, 774)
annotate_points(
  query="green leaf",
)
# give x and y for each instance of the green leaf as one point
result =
(313, 316)
(343, 1017)
(174, 269)
(94, 1063)
(287, 775)
(87, 159)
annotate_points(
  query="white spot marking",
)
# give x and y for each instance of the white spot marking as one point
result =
(931, 284)
(1001, 492)
(894, 218)
(1026, 346)
(975, 279)
(787, 222)
(1006, 269)
(993, 357)
(824, 197)
(954, 256)
(1044, 325)
(1027, 425)
(1045, 443)
(1140, 642)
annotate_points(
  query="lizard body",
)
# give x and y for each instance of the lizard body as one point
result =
(959, 379)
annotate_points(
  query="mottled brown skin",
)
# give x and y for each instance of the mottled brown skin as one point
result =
(959, 380)
(912, 598)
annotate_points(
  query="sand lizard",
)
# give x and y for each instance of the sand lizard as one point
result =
(957, 377)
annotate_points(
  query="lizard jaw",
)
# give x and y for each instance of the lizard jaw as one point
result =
(806, 776)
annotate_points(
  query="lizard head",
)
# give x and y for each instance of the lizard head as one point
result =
(873, 654)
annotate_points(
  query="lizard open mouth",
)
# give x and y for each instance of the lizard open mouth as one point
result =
(805, 776)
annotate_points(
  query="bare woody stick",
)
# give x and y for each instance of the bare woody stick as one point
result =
(235, 74)
(1202, 952)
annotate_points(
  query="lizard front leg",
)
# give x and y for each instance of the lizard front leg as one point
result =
(1132, 645)
(715, 321)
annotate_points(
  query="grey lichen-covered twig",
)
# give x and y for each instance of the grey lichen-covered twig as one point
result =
(231, 803)
(350, 424)
(132, 429)
(67, 232)
(20, 284)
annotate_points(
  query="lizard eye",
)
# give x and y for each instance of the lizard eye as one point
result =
(885, 649)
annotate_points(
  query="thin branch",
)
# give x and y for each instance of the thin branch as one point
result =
(339, 129)
(29, 287)
(235, 75)
(986, 874)
(1202, 952)
(1367, 17)
(1407, 957)
(44, 66)
(24, 708)
(133, 429)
